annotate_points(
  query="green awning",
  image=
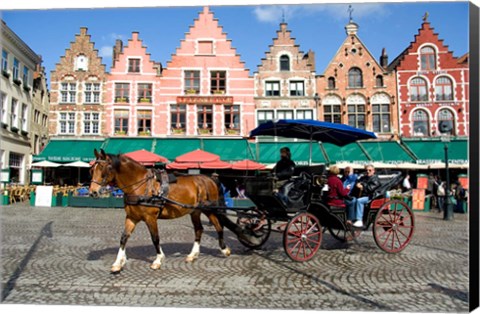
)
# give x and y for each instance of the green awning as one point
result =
(349, 153)
(228, 149)
(269, 152)
(171, 148)
(388, 152)
(69, 150)
(432, 151)
(127, 145)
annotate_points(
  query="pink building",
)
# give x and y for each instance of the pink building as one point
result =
(205, 89)
(131, 100)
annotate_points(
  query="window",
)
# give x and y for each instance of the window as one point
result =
(355, 78)
(4, 60)
(443, 88)
(297, 88)
(285, 114)
(15, 68)
(204, 118)
(121, 121)
(25, 76)
(91, 122)
(218, 82)
(418, 89)
(356, 116)
(232, 119)
(122, 92)
(44, 120)
(178, 115)
(15, 164)
(331, 113)
(67, 122)
(144, 119)
(379, 81)
(331, 83)
(133, 65)
(205, 47)
(14, 113)
(68, 92)
(304, 114)
(4, 104)
(81, 63)
(272, 88)
(145, 92)
(427, 58)
(24, 124)
(192, 82)
(264, 116)
(381, 118)
(420, 123)
(92, 93)
(284, 63)
(446, 121)
(36, 116)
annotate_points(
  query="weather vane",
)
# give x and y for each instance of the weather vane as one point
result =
(350, 10)
(283, 15)
(425, 17)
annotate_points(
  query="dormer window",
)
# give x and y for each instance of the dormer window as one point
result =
(134, 65)
(81, 63)
(284, 63)
(428, 58)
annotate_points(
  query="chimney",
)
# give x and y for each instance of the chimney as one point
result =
(310, 56)
(384, 59)
(117, 50)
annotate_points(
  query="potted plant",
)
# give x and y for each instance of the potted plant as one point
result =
(144, 133)
(232, 131)
(14, 129)
(4, 125)
(17, 81)
(5, 73)
(219, 92)
(145, 100)
(120, 99)
(204, 131)
(24, 133)
(191, 91)
(178, 131)
(120, 132)
(26, 88)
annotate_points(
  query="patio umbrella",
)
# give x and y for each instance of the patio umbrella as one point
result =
(183, 165)
(197, 156)
(313, 130)
(146, 158)
(247, 165)
(46, 164)
(78, 164)
(216, 165)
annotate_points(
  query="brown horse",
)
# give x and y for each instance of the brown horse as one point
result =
(137, 182)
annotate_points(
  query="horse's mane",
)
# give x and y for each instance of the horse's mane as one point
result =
(117, 160)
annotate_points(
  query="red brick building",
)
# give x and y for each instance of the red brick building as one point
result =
(432, 86)
(205, 88)
(285, 81)
(130, 96)
(77, 94)
(358, 90)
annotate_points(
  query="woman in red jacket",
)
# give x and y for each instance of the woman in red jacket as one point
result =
(337, 194)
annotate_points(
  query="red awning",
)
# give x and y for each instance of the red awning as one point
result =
(183, 165)
(145, 157)
(216, 165)
(248, 165)
(197, 156)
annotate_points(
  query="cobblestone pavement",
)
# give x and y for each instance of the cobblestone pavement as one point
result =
(63, 256)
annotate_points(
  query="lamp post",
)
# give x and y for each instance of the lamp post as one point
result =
(448, 211)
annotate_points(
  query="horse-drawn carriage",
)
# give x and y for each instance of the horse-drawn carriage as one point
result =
(301, 205)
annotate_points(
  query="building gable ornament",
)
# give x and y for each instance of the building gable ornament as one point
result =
(380, 99)
(356, 99)
(332, 100)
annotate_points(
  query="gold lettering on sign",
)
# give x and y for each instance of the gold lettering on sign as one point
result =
(205, 100)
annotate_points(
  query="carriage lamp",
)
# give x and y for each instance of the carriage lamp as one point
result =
(316, 99)
(448, 211)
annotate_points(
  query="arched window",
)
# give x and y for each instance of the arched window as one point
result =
(443, 88)
(331, 82)
(446, 122)
(428, 58)
(379, 81)
(284, 63)
(418, 89)
(421, 125)
(355, 78)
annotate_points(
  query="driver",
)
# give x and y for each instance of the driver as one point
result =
(366, 186)
(284, 168)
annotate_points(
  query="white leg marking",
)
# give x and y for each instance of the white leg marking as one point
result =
(226, 251)
(120, 261)
(157, 263)
(194, 253)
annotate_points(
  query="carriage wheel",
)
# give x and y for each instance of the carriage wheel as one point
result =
(250, 220)
(393, 226)
(302, 237)
(344, 235)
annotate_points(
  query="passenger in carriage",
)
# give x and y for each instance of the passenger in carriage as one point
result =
(349, 179)
(284, 168)
(366, 187)
(338, 195)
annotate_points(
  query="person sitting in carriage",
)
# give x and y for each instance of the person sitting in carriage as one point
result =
(364, 190)
(284, 168)
(338, 195)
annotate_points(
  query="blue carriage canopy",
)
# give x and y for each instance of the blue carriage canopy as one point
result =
(313, 130)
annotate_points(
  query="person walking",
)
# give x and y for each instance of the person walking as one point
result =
(441, 196)
(406, 186)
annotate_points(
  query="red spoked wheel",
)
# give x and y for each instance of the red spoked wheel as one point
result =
(393, 226)
(302, 237)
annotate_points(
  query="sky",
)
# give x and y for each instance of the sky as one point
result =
(319, 27)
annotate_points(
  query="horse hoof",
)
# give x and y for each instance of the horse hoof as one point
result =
(191, 259)
(226, 252)
(116, 269)
(155, 266)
